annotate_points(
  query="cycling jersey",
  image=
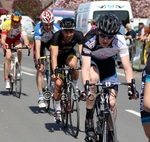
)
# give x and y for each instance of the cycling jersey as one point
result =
(145, 116)
(41, 34)
(64, 46)
(11, 32)
(92, 47)
(103, 58)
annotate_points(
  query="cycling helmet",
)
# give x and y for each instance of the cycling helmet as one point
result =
(67, 23)
(108, 24)
(47, 17)
(16, 16)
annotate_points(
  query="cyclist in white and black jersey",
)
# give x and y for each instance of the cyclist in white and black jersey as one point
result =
(42, 39)
(98, 62)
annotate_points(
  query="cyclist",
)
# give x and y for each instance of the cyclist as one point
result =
(42, 39)
(145, 99)
(63, 52)
(98, 62)
(12, 34)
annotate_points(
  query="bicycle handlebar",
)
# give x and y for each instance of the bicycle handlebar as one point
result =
(65, 69)
(110, 85)
(43, 57)
(14, 49)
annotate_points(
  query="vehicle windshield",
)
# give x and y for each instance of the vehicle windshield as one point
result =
(122, 15)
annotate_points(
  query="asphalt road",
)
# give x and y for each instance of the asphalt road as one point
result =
(22, 121)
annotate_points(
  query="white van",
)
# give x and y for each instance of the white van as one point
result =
(92, 10)
(27, 22)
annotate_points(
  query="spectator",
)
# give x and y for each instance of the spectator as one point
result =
(93, 24)
(140, 30)
(130, 32)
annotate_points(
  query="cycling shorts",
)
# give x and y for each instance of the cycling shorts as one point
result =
(62, 61)
(42, 50)
(10, 41)
(107, 70)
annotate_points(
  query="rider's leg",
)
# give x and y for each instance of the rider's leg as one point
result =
(7, 68)
(72, 62)
(57, 97)
(89, 124)
(19, 51)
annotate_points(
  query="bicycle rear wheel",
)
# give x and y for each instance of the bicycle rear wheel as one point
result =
(74, 115)
(18, 80)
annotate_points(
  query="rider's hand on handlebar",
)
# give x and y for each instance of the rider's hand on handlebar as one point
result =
(28, 46)
(5, 46)
(132, 95)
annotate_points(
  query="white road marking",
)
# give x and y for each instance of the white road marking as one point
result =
(133, 112)
(28, 73)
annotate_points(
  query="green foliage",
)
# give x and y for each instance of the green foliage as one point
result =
(31, 8)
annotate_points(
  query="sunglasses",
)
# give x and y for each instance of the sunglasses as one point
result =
(47, 25)
(15, 21)
(106, 36)
(68, 30)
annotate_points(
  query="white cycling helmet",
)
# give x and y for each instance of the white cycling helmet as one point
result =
(47, 17)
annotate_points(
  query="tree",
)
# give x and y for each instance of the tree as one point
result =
(31, 8)
(140, 8)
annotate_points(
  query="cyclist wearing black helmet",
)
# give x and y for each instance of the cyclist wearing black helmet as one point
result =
(98, 62)
(62, 52)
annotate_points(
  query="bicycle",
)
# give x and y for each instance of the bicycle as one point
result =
(48, 84)
(15, 75)
(69, 101)
(104, 114)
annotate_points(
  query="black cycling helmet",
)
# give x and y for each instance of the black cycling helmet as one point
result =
(67, 23)
(108, 24)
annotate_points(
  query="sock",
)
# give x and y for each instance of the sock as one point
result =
(89, 113)
(57, 105)
(75, 82)
(41, 96)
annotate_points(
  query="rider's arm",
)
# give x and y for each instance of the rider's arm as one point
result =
(54, 55)
(124, 55)
(25, 39)
(80, 48)
(3, 39)
(86, 62)
(127, 68)
(37, 49)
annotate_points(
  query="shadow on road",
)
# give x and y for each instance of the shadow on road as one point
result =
(8, 93)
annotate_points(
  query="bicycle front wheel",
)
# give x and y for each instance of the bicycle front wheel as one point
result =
(109, 128)
(74, 115)
(18, 81)
(64, 113)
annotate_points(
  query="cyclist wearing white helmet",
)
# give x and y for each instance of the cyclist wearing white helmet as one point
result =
(42, 39)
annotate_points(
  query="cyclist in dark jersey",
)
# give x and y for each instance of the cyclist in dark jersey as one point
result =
(145, 100)
(63, 53)
(98, 62)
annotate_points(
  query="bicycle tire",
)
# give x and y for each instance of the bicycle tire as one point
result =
(18, 80)
(105, 130)
(64, 113)
(113, 123)
(74, 115)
